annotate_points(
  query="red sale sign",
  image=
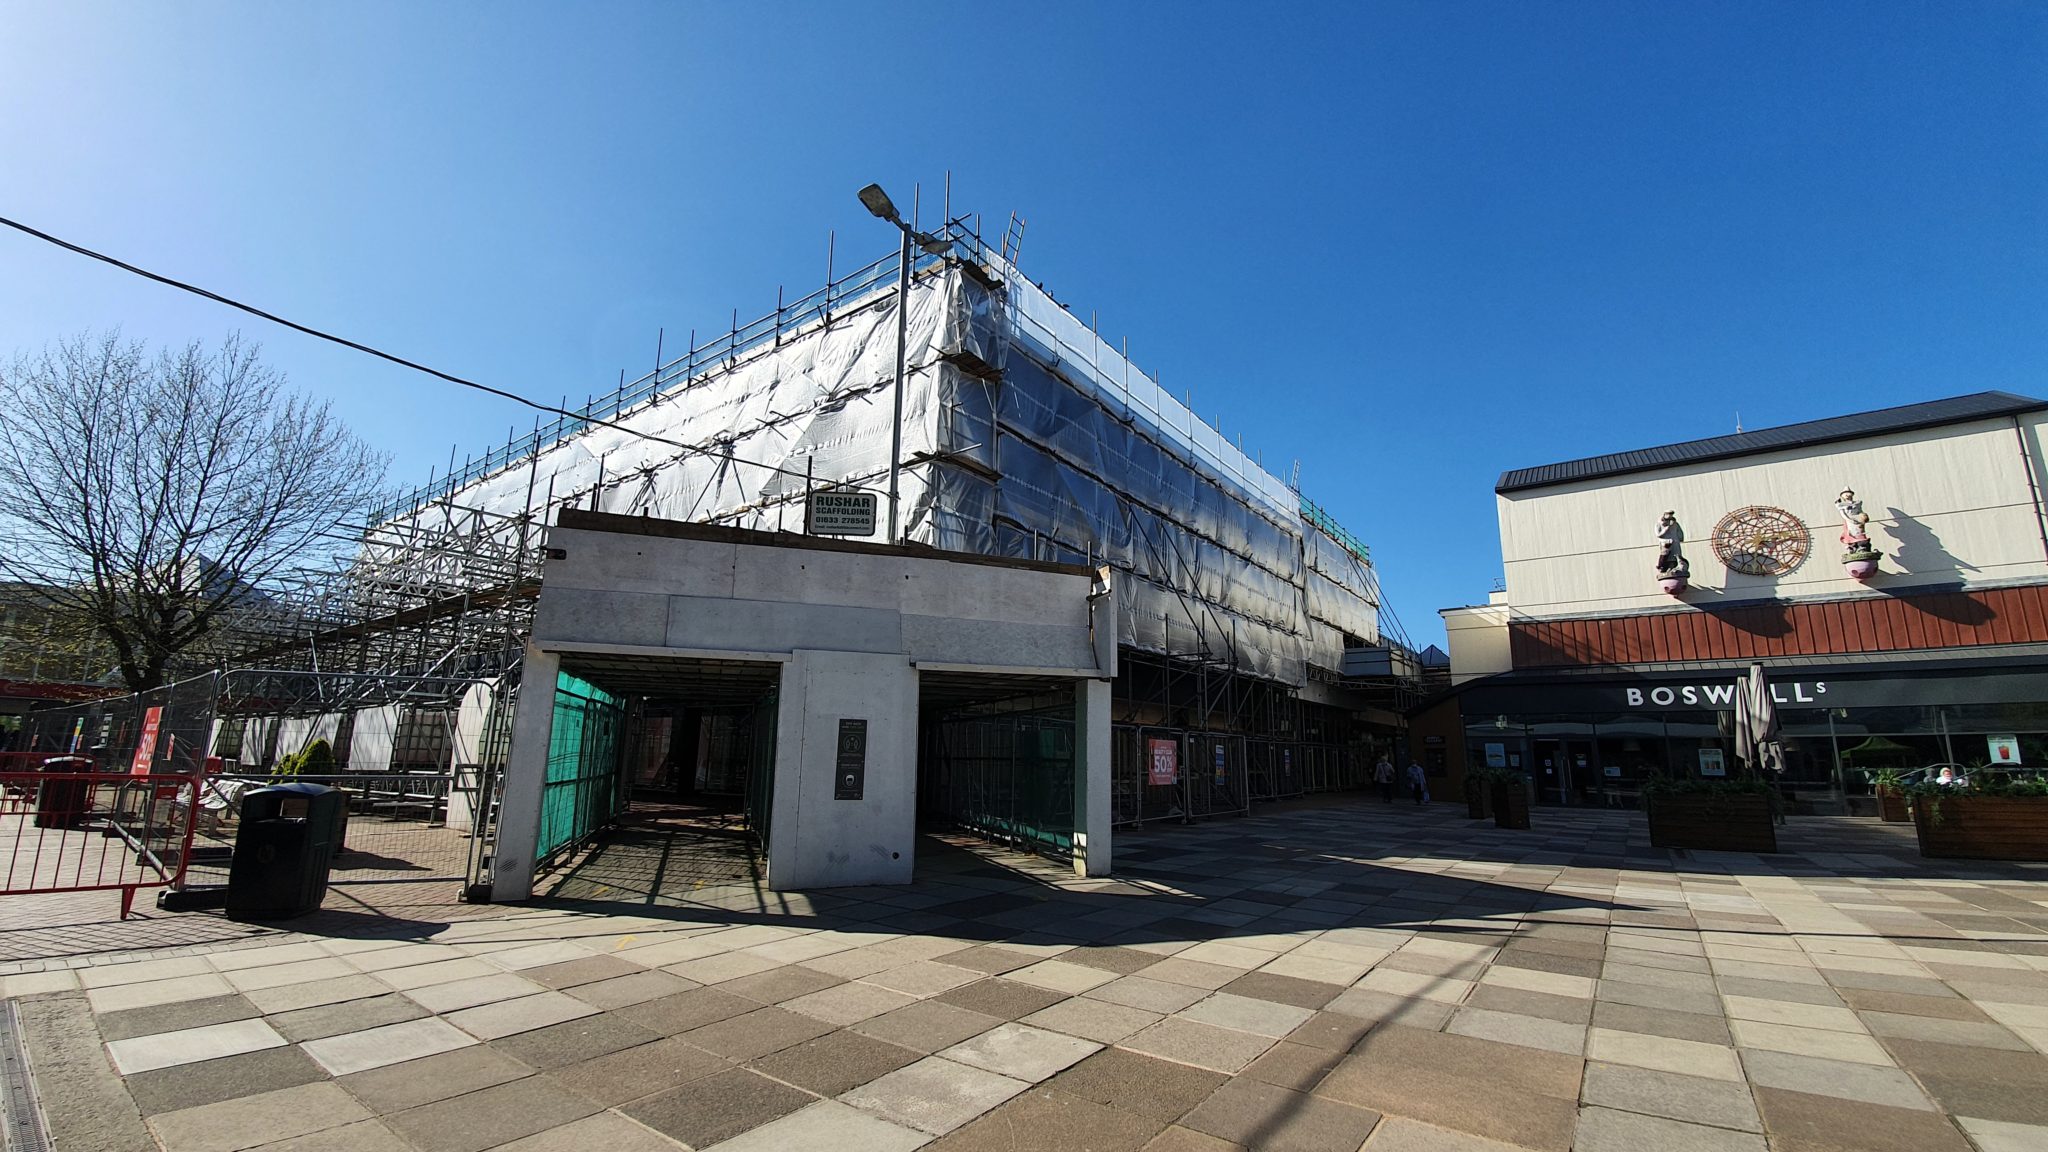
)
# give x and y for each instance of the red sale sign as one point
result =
(145, 749)
(1165, 761)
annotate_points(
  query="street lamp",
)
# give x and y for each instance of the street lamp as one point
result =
(878, 203)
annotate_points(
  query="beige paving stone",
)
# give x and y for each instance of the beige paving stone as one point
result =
(390, 1044)
(265, 955)
(438, 972)
(192, 1045)
(1192, 973)
(265, 1118)
(292, 997)
(148, 994)
(934, 1095)
(1513, 1028)
(1818, 1077)
(1062, 976)
(1244, 1014)
(1145, 993)
(923, 978)
(1416, 984)
(1663, 1053)
(2005, 1136)
(299, 972)
(1696, 1099)
(509, 1017)
(1021, 1052)
(362, 1136)
(1532, 980)
(720, 968)
(1821, 1042)
(1100, 1021)
(1608, 1130)
(1229, 955)
(37, 983)
(1400, 1134)
(1797, 1015)
(1320, 969)
(140, 972)
(849, 1003)
(1202, 1045)
(405, 956)
(827, 1124)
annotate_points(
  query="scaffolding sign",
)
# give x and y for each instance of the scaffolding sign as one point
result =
(841, 514)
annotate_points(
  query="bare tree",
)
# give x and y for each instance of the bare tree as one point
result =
(159, 496)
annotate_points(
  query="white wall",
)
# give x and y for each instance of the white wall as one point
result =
(1478, 641)
(814, 839)
(1946, 505)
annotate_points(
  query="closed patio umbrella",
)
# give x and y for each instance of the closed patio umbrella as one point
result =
(1756, 723)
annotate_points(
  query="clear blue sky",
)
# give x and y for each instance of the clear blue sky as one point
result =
(1410, 244)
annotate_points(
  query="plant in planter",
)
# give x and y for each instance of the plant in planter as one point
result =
(1508, 792)
(1478, 794)
(1891, 800)
(1982, 815)
(1738, 814)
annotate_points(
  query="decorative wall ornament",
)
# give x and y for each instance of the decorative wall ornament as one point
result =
(1762, 541)
(1859, 558)
(1672, 570)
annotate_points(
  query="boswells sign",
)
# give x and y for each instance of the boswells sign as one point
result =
(1721, 696)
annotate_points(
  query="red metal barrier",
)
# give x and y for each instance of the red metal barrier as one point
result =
(94, 832)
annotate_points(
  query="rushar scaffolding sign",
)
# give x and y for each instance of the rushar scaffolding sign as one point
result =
(841, 514)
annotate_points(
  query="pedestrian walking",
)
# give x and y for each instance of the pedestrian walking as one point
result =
(1383, 775)
(1418, 782)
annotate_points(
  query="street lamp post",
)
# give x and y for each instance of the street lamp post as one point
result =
(877, 202)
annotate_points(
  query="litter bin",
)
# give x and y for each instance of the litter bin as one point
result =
(64, 803)
(283, 851)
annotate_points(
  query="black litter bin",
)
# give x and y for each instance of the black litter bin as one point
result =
(64, 803)
(283, 851)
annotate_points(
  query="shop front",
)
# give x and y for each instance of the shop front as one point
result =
(1592, 736)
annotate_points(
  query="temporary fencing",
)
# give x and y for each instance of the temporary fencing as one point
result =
(95, 832)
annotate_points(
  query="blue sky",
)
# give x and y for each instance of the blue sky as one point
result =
(1409, 244)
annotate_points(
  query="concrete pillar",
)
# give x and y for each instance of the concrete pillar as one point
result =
(1091, 778)
(526, 777)
(817, 839)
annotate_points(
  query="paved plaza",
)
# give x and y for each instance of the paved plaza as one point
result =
(1327, 976)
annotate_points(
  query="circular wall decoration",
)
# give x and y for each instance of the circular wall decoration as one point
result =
(1762, 541)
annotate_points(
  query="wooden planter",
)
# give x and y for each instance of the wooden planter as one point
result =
(1478, 800)
(1510, 806)
(1983, 827)
(1892, 807)
(1713, 822)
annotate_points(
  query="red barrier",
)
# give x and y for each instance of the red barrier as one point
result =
(94, 832)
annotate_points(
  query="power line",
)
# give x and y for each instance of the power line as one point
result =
(379, 353)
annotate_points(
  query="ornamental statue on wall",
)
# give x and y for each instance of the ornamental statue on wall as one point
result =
(1672, 570)
(1859, 559)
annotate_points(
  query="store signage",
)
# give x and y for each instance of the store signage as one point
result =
(1722, 695)
(850, 772)
(1220, 775)
(145, 750)
(2004, 749)
(1496, 755)
(1165, 756)
(840, 514)
(1713, 762)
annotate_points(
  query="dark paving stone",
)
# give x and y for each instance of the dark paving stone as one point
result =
(1044, 1119)
(1297, 1067)
(636, 1072)
(1799, 1122)
(1782, 990)
(1548, 962)
(785, 983)
(1159, 1089)
(757, 1033)
(703, 1112)
(1429, 964)
(1007, 999)
(1499, 1091)
(1908, 1004)
(135, 1022)
(1283, 989)
(927, 1026)
(1331, 1031)
(588, 970)
(693, 1009)
(490, 1117)
(1986, 1083)
(228, 1078)
(350, 1016)
(835, 1062)
(1661, 1022)
(1564, 1009)
(1263, 1116)
(1122, 961)
(397, 1087)
(575, 1041)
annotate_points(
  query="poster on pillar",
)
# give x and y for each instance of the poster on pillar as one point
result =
(1165, 762)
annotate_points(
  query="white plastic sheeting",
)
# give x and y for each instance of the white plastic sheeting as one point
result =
(1068, 453)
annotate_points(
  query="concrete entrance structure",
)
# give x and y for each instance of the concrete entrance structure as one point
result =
(848, 631)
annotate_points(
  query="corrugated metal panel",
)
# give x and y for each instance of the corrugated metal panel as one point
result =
(1903, 623)
(1932, 414)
